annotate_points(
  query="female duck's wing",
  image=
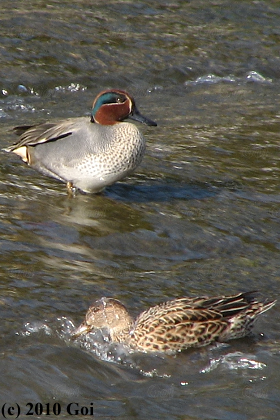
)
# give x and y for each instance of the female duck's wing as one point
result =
(176, 325)
(194, 322)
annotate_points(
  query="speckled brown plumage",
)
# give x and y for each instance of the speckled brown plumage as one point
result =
(177, 324)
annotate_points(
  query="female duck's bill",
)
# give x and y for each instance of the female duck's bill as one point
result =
(88, 154)
(177, 324)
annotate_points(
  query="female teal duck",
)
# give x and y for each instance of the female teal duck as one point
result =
(177, 324)
(87, 153)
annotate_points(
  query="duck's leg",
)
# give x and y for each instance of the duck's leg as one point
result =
(71, 190)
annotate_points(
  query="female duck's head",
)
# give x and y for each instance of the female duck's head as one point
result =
(106, 313)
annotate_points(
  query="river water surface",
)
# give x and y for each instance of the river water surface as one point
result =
(199, 216)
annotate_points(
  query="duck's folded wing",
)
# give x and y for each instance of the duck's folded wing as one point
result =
(41, 133)
(177, 326)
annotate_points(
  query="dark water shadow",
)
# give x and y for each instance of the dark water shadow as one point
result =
(159, 192)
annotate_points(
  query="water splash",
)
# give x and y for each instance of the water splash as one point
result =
(251, 76)
(234, 361)
(73, 87)
(34, 328)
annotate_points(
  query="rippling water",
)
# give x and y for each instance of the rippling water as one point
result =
(199, 216)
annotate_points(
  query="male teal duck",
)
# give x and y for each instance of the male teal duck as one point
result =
(87, 153)
(177, 324)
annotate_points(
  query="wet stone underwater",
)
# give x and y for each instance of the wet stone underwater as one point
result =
(199, 216)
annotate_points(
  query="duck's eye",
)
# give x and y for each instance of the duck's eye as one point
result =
(120, 99)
